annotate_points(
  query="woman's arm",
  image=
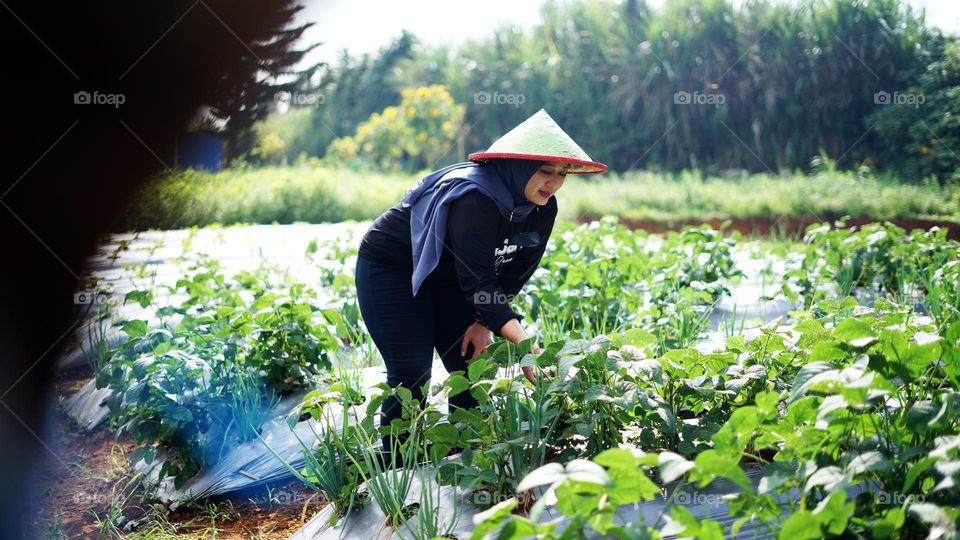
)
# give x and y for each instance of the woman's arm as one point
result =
(512, 331)
(472, 238)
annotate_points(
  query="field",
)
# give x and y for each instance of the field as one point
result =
(696, 383)
(322, 194)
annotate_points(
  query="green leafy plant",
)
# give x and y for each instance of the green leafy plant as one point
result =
(330, 467)
(288, 347)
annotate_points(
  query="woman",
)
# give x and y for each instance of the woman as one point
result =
(438, 270)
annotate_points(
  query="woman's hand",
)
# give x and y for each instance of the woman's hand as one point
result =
(514, 332)
(479, 336)
(528, 370)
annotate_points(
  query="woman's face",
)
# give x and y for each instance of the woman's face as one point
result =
(546, 182)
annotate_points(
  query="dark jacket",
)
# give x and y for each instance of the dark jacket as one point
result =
(488, 256)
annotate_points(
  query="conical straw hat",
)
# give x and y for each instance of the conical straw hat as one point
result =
(540, 138)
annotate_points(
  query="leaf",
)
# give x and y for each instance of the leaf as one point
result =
(403, 394)
(892, 521)
(445, 434)
(732, 438)
(915, 471)
(638, 338)
(831, 404)
(542, 476)
(582, 470)
(517, 528)
(848, 303)
(767, 402)
(775, 475)
(852, 329)
(833, 513)
(917, 357)
(630, 485)
(566, 363)
(496, 512)
(936, 517)
(920, 415)
(456, 383)
(668, 418)
(828, 350)
(579, 470)
(651, 370)
(806, 373)
(800, 526)
(622, 458)
(870, 461)
(598, 392)
(575, 346)
(470, 417)
(683, 523)
(673, 466)
(477, 369)
(135, 328)
(735, 344)
(142, 297)
(906, 358)
(829, 477)
(710, 464)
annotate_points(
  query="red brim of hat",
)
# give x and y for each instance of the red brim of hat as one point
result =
(594, 166)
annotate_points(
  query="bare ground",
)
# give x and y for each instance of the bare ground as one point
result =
(83, 478)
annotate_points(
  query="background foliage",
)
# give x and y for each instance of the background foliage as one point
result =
(781, 81)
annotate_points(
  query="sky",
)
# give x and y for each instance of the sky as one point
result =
(363, 26)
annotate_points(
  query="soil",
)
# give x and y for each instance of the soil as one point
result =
(791, 226)
(83, 470)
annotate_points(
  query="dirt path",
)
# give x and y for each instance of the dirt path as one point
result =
(83, 471)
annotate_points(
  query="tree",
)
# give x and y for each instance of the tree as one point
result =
(415, 135)
(248, 92)
(355, 89)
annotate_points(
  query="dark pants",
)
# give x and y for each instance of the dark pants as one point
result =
(407, 329)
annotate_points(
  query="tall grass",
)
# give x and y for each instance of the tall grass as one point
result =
(266, 195)
(690, 196)
(323, 194)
